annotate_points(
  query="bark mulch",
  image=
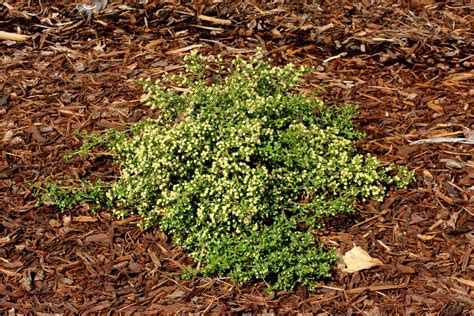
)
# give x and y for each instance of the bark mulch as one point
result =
(408, 66)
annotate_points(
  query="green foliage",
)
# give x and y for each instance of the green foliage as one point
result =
(278, 253)
(65, 198)
(239, 169)
(93, 140)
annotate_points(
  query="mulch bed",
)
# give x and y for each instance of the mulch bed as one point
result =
(409, 67)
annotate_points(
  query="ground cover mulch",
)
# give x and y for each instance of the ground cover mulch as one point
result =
(408, 66)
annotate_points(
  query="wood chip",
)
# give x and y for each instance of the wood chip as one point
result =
(84, 219)
(425, 237)
(98, 238)
(214, 20)
(405, 269)
(184, 49)
(434, 105)
(443, 197)
(375, 288)
(154, 258)
(7, 36)
(10, 273)
(36, 134)
(438, 222)
(465, 281)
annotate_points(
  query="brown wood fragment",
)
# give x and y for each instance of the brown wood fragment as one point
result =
(184, 49)
(374, 288)
(466, 259)
(98, 238)
(443, 197)
(84, 218)
(405, 269)
(214, 20)
(155, 259)
(36, 134)
(7, 36)
(465, 281)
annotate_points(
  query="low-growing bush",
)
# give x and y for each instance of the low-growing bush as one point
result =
(240, 170)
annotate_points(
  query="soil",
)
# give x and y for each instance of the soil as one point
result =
(407, 65)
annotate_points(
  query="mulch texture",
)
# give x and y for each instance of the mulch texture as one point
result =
(408, 66)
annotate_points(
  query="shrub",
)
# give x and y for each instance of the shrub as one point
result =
(240, 169)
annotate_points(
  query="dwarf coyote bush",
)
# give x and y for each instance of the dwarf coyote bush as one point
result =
(240, 169)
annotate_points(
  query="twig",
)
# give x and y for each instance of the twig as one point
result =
(370, 219)
(375, 288)
(214, 20)
(468, 141)
(343, 54)
(184, 49)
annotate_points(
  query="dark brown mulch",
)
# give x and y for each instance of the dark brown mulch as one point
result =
(408, 67)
